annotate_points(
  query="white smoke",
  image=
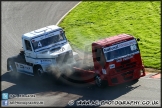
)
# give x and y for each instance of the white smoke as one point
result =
(73, 77)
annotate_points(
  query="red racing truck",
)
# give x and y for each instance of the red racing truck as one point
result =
(116, 60)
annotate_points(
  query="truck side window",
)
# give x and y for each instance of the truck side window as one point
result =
(100, 57)
(98, 54)
(102, 61)
(28, 46)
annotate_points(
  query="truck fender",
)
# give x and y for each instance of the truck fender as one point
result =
(98, 73)
(12, 60)
(18, 58)
(8, 64)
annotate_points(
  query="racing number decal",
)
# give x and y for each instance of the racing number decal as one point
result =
(112, 66)
(39, 44)
(133, 47)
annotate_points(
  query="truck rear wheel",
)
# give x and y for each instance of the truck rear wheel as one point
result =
(100, 83)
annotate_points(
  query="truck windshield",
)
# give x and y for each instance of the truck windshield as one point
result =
(120, 50)
(39, 43)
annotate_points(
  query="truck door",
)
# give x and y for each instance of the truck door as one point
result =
(28, 48)
(28, 51)
(99, 59)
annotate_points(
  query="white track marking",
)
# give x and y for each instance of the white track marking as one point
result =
(67, 13)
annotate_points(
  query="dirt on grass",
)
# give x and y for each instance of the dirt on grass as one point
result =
(152, 70)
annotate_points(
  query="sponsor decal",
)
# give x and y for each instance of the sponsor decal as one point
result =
(46, 61)
(110, 48)
(121, 45)
(112, 66)
(23, 67)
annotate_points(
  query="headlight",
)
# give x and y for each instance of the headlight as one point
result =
(141, 72)
(104, 71)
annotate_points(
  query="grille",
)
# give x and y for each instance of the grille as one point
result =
(128, 75)
(125, 62)
(62, 58)
(55, 49)
(125, 66)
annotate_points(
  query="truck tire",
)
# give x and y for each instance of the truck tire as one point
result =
(100, 83)
(39, 71)
(135, 80)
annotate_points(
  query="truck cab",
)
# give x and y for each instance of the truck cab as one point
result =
(42, 49)
(116, 60)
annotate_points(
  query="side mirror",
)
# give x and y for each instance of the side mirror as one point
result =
(21, 51)
(138, 39)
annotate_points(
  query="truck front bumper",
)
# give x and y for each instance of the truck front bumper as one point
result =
(125, 77)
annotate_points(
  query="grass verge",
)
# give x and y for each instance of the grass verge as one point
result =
(91, 21)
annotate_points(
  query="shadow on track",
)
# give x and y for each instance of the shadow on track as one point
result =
(25, 84)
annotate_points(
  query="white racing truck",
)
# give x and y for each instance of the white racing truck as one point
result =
(42, 49)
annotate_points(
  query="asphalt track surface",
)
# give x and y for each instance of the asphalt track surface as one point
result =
(21, 17)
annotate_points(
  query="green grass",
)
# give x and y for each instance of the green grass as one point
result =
(91, 21)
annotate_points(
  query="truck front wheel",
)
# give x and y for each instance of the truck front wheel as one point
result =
(39, 71)
(100, 83)
(135, 80)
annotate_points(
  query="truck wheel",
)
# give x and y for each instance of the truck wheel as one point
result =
(100, 83)
(39, 71)
(135, 80)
